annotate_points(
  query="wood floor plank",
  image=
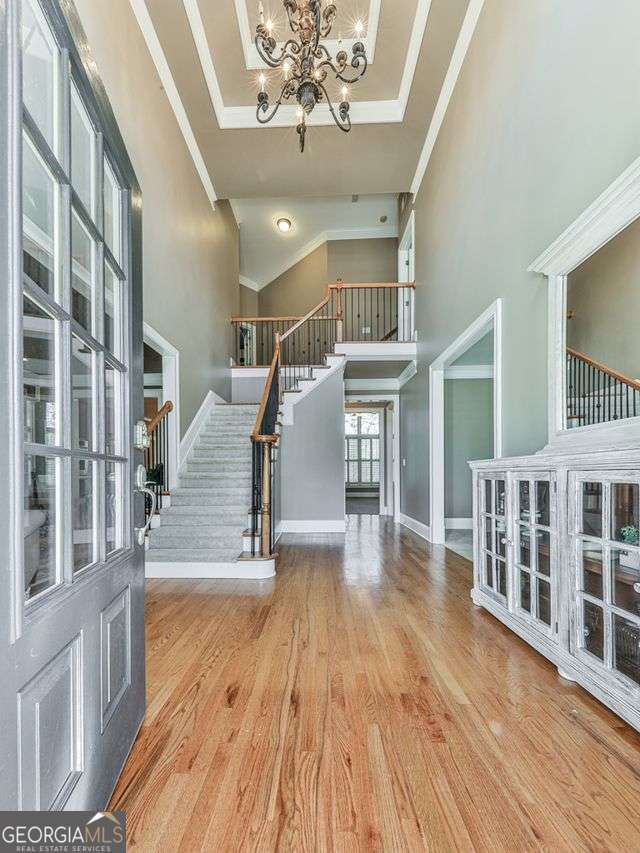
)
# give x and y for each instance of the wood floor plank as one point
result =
(361, 702)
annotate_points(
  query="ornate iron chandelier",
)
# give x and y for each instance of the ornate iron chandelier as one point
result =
(306, 63)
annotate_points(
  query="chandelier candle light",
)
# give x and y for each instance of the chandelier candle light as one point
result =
(306, 63)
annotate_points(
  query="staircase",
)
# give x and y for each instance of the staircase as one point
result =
(208, 512)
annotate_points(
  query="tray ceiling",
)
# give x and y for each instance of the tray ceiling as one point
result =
(209, 67)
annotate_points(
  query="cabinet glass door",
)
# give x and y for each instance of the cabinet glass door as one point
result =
(493, 542)
(534, 575)
(605, 527)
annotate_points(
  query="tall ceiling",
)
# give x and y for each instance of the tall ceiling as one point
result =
(209, 67)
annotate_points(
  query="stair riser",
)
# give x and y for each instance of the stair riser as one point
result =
(170, 540)
(212, 500)
(201, 521)
(178, 555)
(215, 453)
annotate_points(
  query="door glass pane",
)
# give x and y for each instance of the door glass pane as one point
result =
(82, 277)
(525, 591)
(544, 601)
(353, 472)
(593, 629)
(544, 552)
(501, 571)
(488, 534)
(39, 524)
(112, 216)
(543, 497)
(375, 448)
(38, 368)
(591, 553)
(524, 547)
(365, 448)
(488, 570)
(352, 448)
(110, 396)
(525, 500)
(39, 71)
(626, 653)
(592, 509)
(38, 219)
(625, 573)
(111, 311)
(81, 394)
(488, 504)
(365, 472)
(375, 472)
(113, 496)
(500, 497)
(82, 152)
(82, 512)
(625, 512)
(500, 538)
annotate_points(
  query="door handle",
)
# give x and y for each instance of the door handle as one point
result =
(141, 486)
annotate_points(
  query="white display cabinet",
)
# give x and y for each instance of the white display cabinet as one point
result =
(557, 560)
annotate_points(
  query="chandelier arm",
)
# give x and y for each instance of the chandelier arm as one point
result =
(358, 59)
(263, 106)
(276, 61)
(329, 16)
(290, 8)
(343, 124)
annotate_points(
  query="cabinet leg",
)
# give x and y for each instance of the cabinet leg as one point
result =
(565, 675)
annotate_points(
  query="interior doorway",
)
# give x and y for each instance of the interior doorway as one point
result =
(162, 384)
(461, 362)
(364, 460)
(469, 434)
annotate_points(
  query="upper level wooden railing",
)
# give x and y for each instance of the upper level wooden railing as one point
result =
(341, 316)
(156, 456)
(596, 393)
(379, 311)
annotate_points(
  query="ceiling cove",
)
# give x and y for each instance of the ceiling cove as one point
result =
(362, 112)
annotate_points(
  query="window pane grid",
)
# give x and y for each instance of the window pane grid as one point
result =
(75, 351)
(609, 620)
(494, 534)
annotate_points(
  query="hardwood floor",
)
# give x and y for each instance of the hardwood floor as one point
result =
(361, 702)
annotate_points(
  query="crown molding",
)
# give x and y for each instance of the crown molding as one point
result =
(379, 232)
(611, 212)
(451, 78)
(248, 282)
(254, 62)
(150, 36)
(362, 112)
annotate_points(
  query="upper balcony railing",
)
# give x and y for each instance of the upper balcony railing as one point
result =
(348, 313)
(357, 313)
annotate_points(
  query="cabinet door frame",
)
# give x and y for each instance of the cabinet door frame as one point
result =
(576, 537)
(492, 518)
(515, 566)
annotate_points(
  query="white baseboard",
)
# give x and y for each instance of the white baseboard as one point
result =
(242, 569)
(329, 526)
(195, 427)
(458, 523)
(418, 527)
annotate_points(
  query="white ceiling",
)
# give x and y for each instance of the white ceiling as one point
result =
(265, 252)
(203, 53)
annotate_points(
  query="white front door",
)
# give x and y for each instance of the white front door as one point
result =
(71, 608)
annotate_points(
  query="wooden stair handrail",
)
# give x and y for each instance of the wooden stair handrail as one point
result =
(152, 425)
(275, 361)
(265, 319)
(397, 285)
(614, 374)
(304, 319)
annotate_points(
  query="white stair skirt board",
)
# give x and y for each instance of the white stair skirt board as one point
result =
(458, 523)
(307, 526)
(418, 527)
(238, 570)
(197, 425)
(306, 386)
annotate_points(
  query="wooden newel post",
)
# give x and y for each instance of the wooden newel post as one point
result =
(265, 530)
(339, 312)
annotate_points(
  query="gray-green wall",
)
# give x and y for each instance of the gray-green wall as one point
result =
(543, 118)
(468, 434)
(190, 251)
(604, 295)
(304, 284)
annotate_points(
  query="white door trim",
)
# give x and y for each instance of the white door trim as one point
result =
(489, 320)
(170, 391)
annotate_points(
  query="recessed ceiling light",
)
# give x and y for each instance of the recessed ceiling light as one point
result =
(284, 225)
